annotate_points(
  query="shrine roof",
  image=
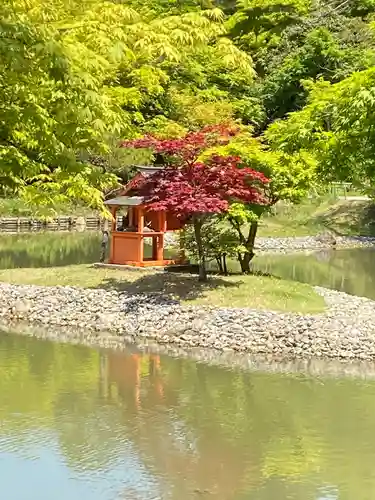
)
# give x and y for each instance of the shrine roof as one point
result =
(127, 195)
(148, 169)
(128, 201)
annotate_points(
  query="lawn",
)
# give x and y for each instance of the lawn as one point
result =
(314, 216)
(50, 258)
(16, 207)
(260, 292)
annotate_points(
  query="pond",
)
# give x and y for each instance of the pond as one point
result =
(79, 423)
(49, 249)
(351, 271)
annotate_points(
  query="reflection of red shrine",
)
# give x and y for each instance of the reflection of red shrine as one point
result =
(139, 224)
(128, 372)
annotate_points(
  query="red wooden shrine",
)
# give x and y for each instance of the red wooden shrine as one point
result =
(128, 236)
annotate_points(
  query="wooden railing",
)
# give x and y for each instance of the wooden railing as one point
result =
(63, 223)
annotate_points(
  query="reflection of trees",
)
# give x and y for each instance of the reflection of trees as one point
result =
(48, 249)
(266, 436)
(190, 456)
(350, 271)
(194, 441)
(55, 387)
(323, 255)
(195, 428)
(51, 249)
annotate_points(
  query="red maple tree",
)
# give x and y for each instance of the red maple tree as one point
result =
(188, 148)
(193, 190)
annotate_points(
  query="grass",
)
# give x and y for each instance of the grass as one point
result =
(315, 216)
(308, 218)
(259, 292)
(311, 217)
(15, 207)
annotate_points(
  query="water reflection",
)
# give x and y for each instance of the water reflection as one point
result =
(350, 271)
(48, 249)
(78, 423)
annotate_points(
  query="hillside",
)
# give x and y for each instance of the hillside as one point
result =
(342, 217)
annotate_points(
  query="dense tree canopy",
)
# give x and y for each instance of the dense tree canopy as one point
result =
(77, 76)
(74, 77)
(337, 125)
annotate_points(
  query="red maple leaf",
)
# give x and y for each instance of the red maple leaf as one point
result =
(199, 188)
(187, 148)
(191, 189)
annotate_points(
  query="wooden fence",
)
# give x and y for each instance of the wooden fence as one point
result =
(63, 223)
(96, 223)
(343, 189)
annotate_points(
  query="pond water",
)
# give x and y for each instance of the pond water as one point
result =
(351, 271)
(46, 249)
(79, 423)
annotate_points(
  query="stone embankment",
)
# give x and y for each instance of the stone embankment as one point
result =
(319, 242)
(346, 330)
(298, 243)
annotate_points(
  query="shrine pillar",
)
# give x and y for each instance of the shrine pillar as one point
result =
(113, 229)
(162, 222)
(140, 218)
(158, 247)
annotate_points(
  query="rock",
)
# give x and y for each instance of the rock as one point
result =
(21, 307)
(326, 237)
(346, 330)
(310, 243)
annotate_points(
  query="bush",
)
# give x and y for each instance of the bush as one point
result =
(219, 242)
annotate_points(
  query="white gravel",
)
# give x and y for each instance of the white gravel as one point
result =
(346, 330)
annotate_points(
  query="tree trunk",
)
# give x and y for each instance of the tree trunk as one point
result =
(219, 264)
(201, 257)
(245, 260)
(225, 264)
(247, 256)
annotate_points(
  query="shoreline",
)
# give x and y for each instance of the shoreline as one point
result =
(111, 319)
(344, 331)
(312, 367)
(291, 244)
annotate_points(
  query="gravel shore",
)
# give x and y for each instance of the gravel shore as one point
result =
(288, 244)
(345, 331)
(111, 319)
(298, 243)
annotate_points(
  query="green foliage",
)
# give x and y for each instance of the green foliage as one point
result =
(336, 125)
(293, 40)
(218, 239)
(320, 55)
(261, 22)
(76, 76)
(47, 114)
(292, 176)
(17, 207)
